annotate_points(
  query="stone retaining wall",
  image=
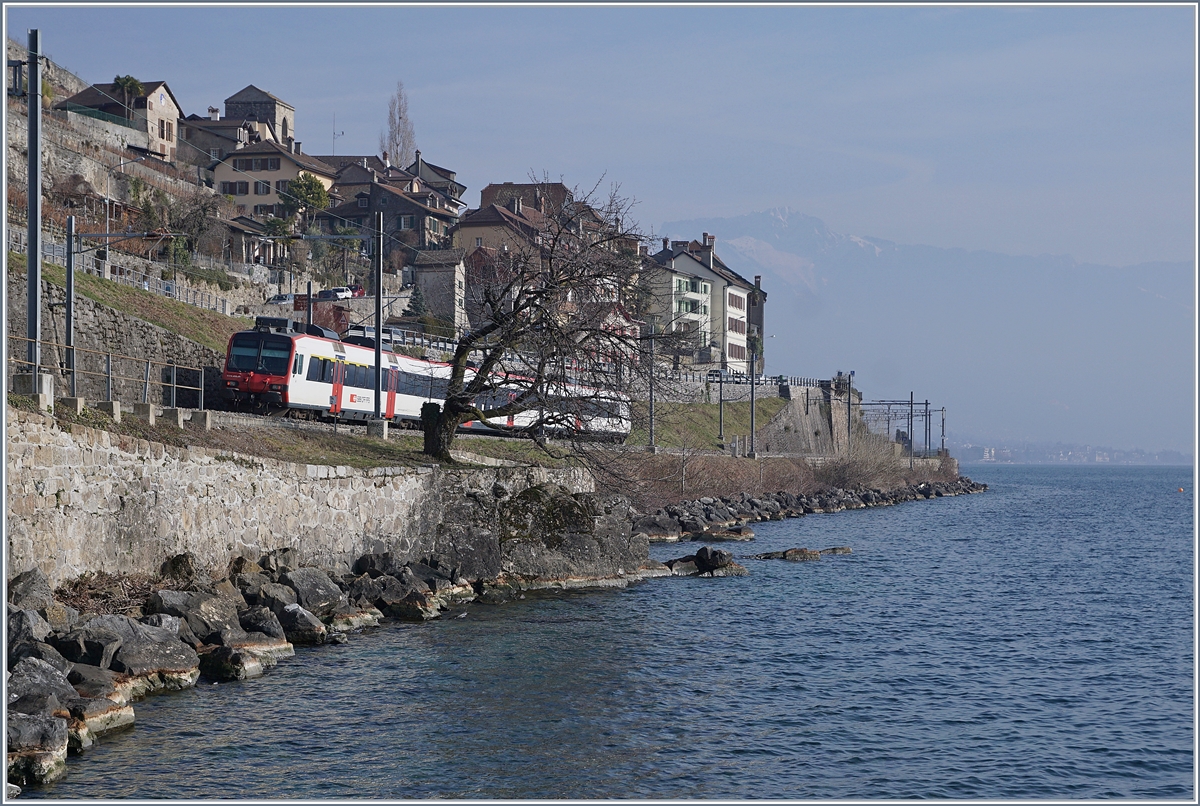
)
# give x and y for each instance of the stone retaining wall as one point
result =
(98, 327)
(86, 500)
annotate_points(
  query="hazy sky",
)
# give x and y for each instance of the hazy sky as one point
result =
(1025, 130)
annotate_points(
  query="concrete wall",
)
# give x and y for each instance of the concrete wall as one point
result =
(87, 500)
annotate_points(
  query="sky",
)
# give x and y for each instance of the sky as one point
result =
(1023, 130)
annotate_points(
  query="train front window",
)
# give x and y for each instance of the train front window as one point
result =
(253, 352)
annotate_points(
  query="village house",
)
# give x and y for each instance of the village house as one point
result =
(256, 175)
(696, 293)
(155, 111)
(251, 116)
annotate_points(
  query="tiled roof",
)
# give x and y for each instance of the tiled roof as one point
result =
(271, 147)
(252, 92)
(99, 96)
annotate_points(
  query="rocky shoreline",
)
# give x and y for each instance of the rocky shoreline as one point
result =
(74, 676)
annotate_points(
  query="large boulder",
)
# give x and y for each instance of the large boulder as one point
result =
(315, 591)
(30, 590)
(26, 625)
(301, 626)
(36, 745)
(226, 663)
(149, 658)
(40, 650)
(93, 645)
(275, 597)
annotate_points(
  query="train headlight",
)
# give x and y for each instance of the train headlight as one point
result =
(231, 384)
(278, 387)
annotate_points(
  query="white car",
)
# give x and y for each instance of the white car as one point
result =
(341, 292)
(282, 299)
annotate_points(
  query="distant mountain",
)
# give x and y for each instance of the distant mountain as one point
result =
(1016, 347)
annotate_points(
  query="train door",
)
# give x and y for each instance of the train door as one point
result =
(393, 381)
(339, 381)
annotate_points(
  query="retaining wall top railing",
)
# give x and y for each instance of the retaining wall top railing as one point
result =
(56, 252)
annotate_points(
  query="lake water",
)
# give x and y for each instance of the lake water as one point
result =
(1033, 641)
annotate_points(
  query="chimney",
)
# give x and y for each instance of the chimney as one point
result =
(704, 239)
(214, 113)
(386, 162)
(297, 146)
(363, 162)
(666, 244)
(418, 155)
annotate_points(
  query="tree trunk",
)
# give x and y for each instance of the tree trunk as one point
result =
(439, 431)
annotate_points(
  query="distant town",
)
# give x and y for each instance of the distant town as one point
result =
(1058, 453)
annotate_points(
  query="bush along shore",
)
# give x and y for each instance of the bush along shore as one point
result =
(79, 657)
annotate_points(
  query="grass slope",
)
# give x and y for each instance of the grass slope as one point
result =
(205, 327)
(697, 425)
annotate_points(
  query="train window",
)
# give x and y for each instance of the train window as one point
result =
(256, 352)
(315, 371)
(327, 371)
(298, 365)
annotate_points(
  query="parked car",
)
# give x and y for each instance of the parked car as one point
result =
(341, 292)
(282, 299)
(326, 293)
(357, 290)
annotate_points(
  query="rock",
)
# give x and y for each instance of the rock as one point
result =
(225, 663)
(94, 646)
(60, 617)
(415, 606)
(315, 591)
(261, 619)
(731, 570)
(32, 676)
(794, 555)
(209, 617)
(171, 602)
(279, 562)
(163, 621)
(95, 683)
(41, 651)
(837, 550)
(150, 658)
(653, 568)
(11, 791)
(347, 617)
(30, 590)
(37, 748)
(182, 568)
(338, 638)
(301, 626)
(26, 625)
(683, 566)
(225, 589)
(710, 559)
(276, 597)
(364, 590)
(268, 649)
(250, 583)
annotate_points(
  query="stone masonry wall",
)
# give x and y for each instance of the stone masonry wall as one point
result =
(98, 327)
(86, 500)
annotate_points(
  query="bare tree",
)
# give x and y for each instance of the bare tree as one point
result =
(399, 142)
(552, 345)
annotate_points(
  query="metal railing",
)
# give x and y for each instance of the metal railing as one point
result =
(72, 358)
(682, 376)
(56, 252)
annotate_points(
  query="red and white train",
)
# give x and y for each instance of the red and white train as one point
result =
(277, 368)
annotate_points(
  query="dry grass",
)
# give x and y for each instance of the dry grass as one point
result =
(103, 593)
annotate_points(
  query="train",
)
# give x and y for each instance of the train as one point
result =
(288, 368)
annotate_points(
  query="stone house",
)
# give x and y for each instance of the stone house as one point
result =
(155, 111)
(695, 292)
(442, 277)
(257, 174)
(253, 104)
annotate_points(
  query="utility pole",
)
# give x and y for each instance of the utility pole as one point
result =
(651, 446)
(910, 430)
(752, 453)
(943, 431)
(33, 262)
(721, 409)
(849, 397)
(70, 336)
(928, 428)
(377, 265)
(308, 320)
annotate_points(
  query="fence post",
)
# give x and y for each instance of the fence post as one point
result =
(108, 377)
(172, 386)
(146, 384)
(201, 385)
